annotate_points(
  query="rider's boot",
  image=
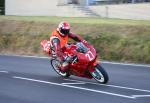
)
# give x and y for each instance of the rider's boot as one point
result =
(64, 66)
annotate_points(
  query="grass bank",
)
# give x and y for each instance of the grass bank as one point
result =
(114, 39)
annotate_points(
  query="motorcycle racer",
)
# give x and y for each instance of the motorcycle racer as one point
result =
(58, 40)
(80, 56)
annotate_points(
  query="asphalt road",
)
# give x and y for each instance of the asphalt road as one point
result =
(31, 80)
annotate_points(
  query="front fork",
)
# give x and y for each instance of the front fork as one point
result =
(92, 65)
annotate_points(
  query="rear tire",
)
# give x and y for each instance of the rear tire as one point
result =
(100, 75)
(57, 70)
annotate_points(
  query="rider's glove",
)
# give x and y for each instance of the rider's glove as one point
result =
(84, 41)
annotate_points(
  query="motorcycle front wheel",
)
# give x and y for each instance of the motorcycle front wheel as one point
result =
(100, 75)
(55, 66)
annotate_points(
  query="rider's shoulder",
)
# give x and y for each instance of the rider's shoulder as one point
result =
(54, 33)
(71, 34)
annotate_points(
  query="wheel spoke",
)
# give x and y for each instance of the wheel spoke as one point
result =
(98, 75)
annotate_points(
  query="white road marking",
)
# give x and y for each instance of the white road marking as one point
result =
(138, 96)
(72, 83)
(75, 87)
(135, 89)
(105, 62)
(127, 64)
(3, 71)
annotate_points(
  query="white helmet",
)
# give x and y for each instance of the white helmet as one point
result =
(63, 28)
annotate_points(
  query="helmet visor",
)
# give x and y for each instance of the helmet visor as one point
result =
(65, 31)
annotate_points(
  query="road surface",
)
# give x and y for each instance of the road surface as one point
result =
(31, 80)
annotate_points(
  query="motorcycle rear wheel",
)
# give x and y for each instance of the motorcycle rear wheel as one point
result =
(100, 75)
(57, 70)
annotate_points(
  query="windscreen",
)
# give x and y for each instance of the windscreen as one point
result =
(81, 47)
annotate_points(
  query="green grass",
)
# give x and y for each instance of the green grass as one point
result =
(114, 39)
(83, 20)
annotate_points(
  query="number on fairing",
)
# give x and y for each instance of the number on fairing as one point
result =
(89, 55)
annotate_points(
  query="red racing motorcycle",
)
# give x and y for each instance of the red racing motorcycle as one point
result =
(82, 62)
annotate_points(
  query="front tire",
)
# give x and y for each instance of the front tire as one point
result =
(100, 75)
(56, 68)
